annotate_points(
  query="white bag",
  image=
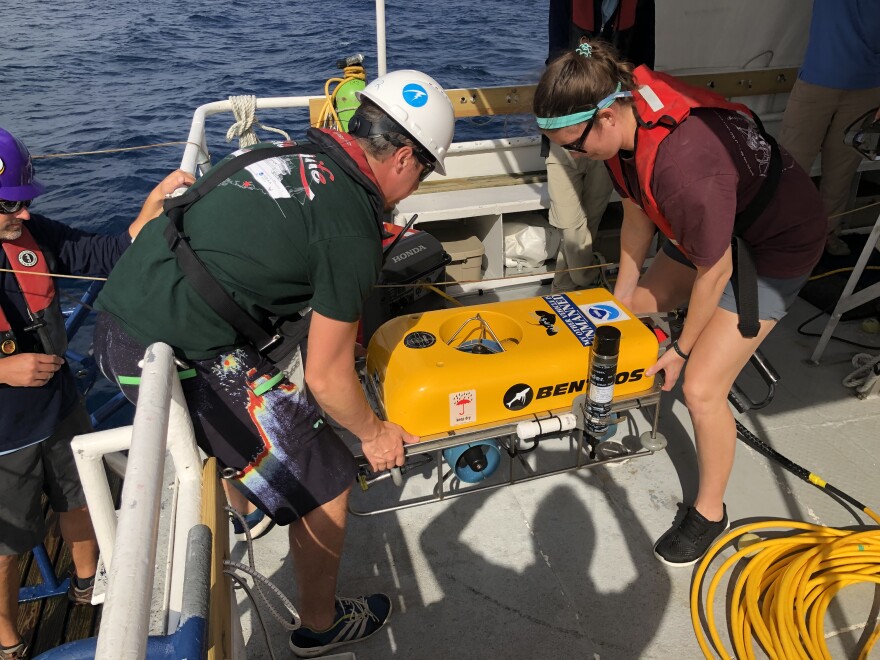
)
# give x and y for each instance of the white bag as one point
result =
(529, 244)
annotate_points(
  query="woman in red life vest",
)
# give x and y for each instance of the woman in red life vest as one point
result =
(702, 171)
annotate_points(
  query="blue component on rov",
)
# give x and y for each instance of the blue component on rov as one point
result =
(474, 461)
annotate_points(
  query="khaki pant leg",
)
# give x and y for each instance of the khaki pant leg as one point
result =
(579, 191)
(805, 122)
(839, 161)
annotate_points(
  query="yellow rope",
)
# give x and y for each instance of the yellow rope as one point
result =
(848, 269)
(327, 117)
(546, 273)
(113, 151)
(861, 208)
(432, 285)
(444, 295)
(785, 588)
(69, 277)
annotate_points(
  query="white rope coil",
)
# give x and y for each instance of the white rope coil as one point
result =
(866, 374)
(245, 110)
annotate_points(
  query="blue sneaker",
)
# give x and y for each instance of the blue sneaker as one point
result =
(257, 521)
(356, 619)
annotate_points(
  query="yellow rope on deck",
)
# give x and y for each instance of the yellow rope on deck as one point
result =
(782, 594)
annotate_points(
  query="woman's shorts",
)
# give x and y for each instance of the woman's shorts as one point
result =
(775, 294)
(275, 447)
(45, 467)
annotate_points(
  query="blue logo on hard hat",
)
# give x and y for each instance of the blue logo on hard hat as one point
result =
(603, 312)
(415, 95)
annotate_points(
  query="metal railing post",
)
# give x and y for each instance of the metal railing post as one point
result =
(88, 451)
(381, 65)
(125, 620)
(188, 469)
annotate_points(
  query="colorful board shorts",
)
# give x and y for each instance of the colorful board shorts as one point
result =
(45, 467)
(275, 446)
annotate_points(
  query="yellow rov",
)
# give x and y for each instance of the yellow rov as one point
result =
(476, 382)
(452, 369)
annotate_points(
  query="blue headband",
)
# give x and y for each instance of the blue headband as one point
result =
(578, 117)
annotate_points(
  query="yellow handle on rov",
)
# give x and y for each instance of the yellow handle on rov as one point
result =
(781, 595)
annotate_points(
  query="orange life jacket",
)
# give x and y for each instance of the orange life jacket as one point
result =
(32, 275)
(662, 103)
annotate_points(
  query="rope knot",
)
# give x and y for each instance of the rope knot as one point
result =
(245, 108)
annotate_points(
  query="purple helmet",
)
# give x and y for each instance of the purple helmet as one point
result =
(17, 182)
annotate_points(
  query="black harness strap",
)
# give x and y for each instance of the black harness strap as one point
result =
(745, 274)
(263, 337)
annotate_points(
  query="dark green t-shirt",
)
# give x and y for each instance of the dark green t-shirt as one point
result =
(284, 234)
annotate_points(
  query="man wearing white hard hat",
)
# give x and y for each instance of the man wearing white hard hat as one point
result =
(289, 238)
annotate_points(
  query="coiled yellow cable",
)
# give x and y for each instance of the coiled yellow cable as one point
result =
(327, 117)
(782, 593)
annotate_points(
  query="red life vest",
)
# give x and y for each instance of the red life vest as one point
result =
(661, 104)
(38, 289)
(354, 151)
(587, 15)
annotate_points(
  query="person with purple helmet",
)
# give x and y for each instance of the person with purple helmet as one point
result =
(40, 408)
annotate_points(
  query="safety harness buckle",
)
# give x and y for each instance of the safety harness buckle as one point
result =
(273, 341)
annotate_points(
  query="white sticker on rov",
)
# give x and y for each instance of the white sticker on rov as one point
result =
(604, 312)
(462, 407)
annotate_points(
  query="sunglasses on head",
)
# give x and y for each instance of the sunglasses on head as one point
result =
(13, 207)
(578, 145)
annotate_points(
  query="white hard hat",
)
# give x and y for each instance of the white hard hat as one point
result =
(416, 102)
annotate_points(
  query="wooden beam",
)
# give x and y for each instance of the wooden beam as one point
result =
(507, 100)
(316, 104)
(475, 102)
(754, 82)
(213, 515)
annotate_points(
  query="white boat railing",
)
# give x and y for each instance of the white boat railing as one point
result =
(196, 154)
(128, 546)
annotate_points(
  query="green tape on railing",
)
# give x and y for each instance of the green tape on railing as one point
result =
(136, 380)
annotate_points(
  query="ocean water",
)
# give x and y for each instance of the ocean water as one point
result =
(84, 76)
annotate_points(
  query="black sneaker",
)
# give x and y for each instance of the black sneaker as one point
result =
(356, 619)
(80, 595)
(686, 543)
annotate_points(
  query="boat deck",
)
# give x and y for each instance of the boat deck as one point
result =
(562, 567)
(50, 622)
